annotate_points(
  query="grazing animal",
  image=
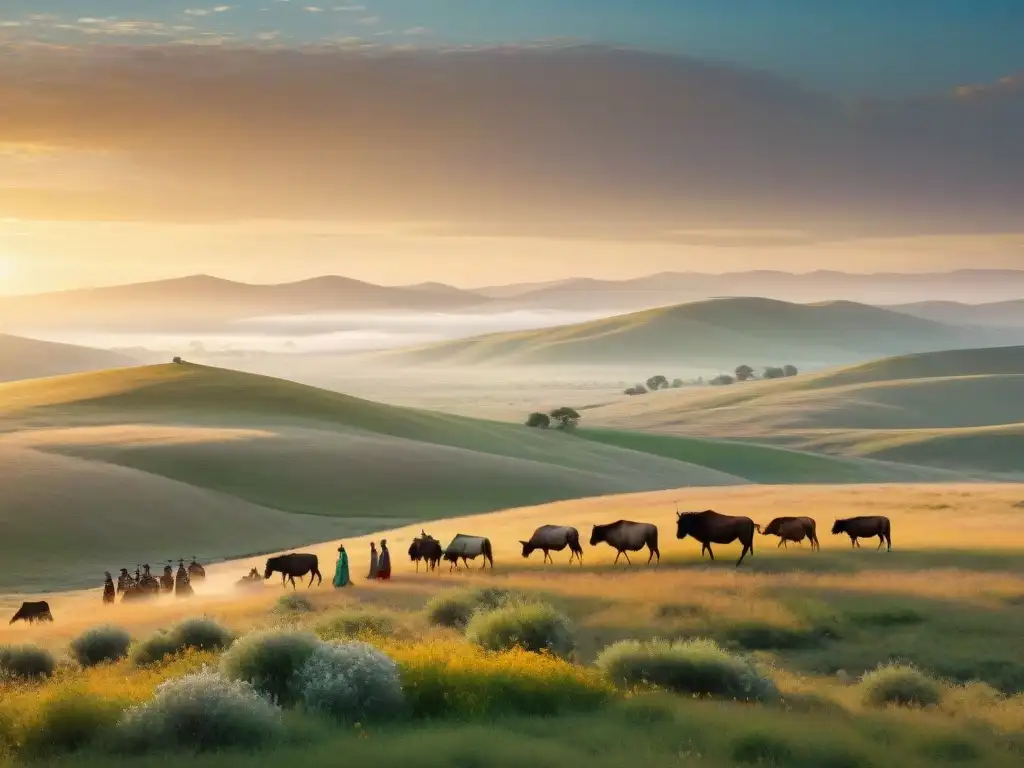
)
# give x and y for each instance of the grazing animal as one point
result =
(554, 538)
(793, 529)
(426, 548)
(109, 592)
(710, 527)
(292, 565)
(196, 572)
(33, 612)
(865, 528)
(626, 536)
(469, 548)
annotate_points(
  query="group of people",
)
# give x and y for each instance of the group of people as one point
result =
(380, 564)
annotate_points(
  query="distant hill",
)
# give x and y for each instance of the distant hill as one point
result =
(29, 359)
(201, 302)
(959, 410)
(1001, 314)
(666, 288)
(724, 332)
(186, 459)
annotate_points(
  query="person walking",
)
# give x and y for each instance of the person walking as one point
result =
(341, 578)
(373, 562)
(384, 565)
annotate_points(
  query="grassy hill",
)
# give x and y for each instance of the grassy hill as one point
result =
(719, 332)
(29, 358)
(959, 410)
(154, 463)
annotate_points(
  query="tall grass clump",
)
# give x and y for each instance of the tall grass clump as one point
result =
(293, 603)
(25, 662)
(191, 634)
(345, 625)
(200, 712)
(698, 667)
(536, 627)
(455, 609)
(69, 721)
(351, 683)
(270, 661)
(100, 645)
(442, 679)
(899, 685)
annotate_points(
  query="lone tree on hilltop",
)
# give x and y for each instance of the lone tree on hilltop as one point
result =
(566, 417)
(657, 382)
(177, 361)
(538, 420)
(790, 370)
(744, 373)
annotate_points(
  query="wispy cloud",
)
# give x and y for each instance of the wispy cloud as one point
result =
(208, 11)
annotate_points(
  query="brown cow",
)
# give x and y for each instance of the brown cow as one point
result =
(793, 529)
(710, 527)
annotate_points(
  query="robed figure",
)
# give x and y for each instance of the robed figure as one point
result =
(341, 578)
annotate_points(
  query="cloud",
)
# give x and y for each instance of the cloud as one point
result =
(561, 136)
(208, 11)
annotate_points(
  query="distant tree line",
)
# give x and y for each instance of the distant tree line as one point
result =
(656, 383)
(562, 418)
(746, 373)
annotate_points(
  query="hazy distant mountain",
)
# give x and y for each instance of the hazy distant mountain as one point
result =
(201, 302)
(824, 285)
(723, 332)
(30, 359)
(1001, 314)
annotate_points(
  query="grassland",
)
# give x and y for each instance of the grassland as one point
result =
(720, 331)
(947, 599)
(957, 410)
(155, 463)
(22, 358)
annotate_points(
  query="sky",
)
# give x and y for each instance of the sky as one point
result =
(478, 141)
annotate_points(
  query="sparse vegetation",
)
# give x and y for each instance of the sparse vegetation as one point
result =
(100, 645)
(294, 603)
(345, 625)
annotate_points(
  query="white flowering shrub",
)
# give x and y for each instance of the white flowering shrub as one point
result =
(200, 712)
(351, 682)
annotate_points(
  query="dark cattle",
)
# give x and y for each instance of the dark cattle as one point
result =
(426, 548)
(794, 529)
(33, 612)
(469, 548)
(292, 565)
(554, 538)
(710, 527)
(865, 528)
(626, 536)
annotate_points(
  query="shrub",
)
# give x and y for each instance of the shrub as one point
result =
(698, 667)
(530, 626)
(70, 721)
(293, 603)
(899, 685)
(755, 636)
(455, 609)
(191, 634)
(25, 661)
(99, 645)
(200, 712)
(270, 661)
(538, 420)
(442, 679)
(349, 624)
(351, 683)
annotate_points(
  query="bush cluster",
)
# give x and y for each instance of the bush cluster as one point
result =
(698, 667)
(270, 662)
(898, 685)
(191, 634)
(455, 609)
(351, 683)
(536, 627)
(100, 645)
(353, 624)
(25, 662)
(293, 603)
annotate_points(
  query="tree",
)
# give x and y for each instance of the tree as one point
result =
(744, 373)
(538, 420)
(657, 382)
(677, 383)
(772, 372)
(790, 370)
(722, 380)
(639, 389)
(566, 417)
(177, 361)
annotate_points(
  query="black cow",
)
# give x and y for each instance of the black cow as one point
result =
(865, 528)
(33, 612)
(292, 565)
(426, 548)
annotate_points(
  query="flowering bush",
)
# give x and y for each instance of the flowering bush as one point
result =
(352, 683)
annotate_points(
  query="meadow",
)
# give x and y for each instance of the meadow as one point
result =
(945, 600)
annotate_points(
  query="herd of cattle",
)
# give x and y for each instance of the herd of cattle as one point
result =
(625, 536)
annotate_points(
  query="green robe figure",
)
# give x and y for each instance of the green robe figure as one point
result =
(341, 569)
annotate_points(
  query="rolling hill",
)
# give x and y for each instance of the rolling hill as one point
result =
(22, 358)
(723, 332)
(154, 463)
(959, 410)
(1001, 314)
(203, 302)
